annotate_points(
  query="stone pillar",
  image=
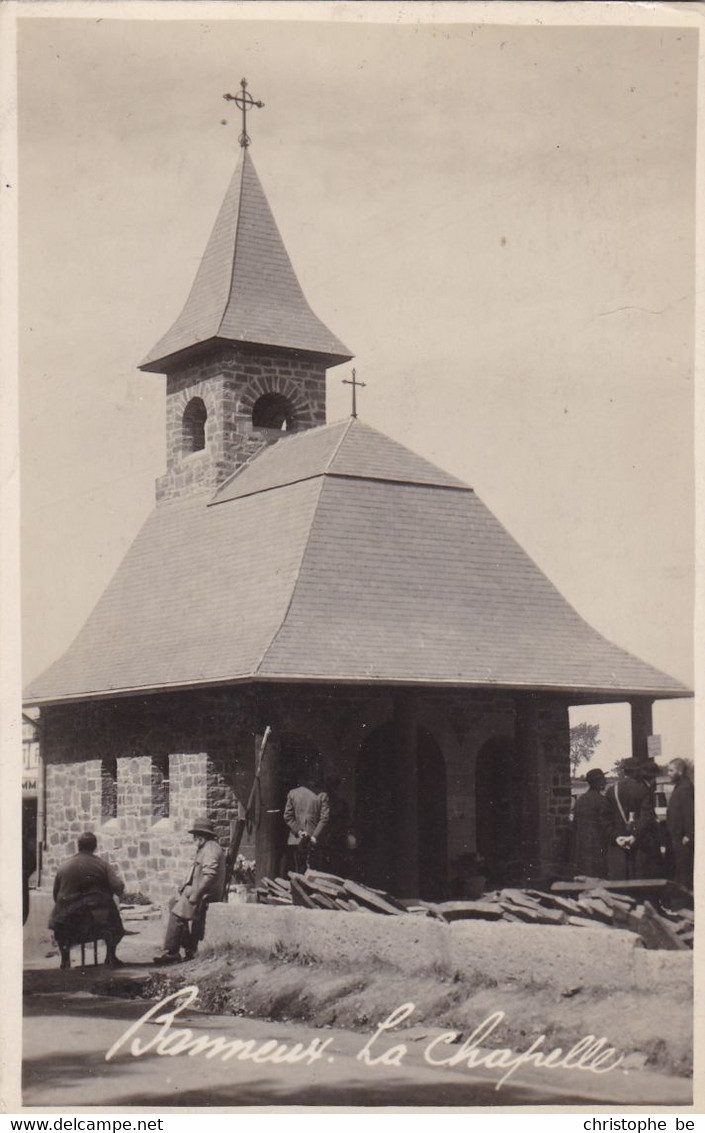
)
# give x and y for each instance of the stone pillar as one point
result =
(269, 833)
(407, 793)
(642, 726)
(532, 837)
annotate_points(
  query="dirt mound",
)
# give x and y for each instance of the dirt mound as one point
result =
(649, 1027)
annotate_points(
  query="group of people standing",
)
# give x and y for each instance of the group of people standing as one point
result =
(617, 834)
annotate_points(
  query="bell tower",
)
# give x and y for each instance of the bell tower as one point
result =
(246, 359)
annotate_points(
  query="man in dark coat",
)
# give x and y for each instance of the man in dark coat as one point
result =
(306, 813)
(680, 821)
(634, 849)
(84, 907)
(592, 827)
(204, 884)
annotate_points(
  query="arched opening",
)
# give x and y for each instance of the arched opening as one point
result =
(194, 426)
(273, 411)
(377, 809)
(498, 810)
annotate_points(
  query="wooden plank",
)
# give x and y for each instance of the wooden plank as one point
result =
(329, 890)
(636, 889)
(330, 878)
(275, 888)
(521, 912)
(323, 902)
(614, 900)
(465, 910)
(564, 904)
(299, 896)
(518, 897)
(371, 900)
(584, 922)
(661, 930)
(595, 908)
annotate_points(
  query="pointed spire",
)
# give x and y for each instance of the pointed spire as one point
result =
(245, 290)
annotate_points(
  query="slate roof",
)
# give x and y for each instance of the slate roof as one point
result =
(337, 556)
(245, 289)
(346, 448)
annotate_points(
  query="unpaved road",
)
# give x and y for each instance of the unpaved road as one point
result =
(71, 1022)
(68, 1032)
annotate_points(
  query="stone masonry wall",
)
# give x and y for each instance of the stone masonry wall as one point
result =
(555, 783)
(209, 739)
(229, 382)
(209, 744)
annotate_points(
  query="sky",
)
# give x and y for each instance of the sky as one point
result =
(498, 220)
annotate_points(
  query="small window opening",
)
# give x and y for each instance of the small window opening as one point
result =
(160, 787)
(194, 426)
(273, 411)
(109, 787)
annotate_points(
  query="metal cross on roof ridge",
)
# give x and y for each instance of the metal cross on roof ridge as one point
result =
(245, 101)
(355, 386)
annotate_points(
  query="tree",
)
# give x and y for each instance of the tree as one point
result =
(584, 738)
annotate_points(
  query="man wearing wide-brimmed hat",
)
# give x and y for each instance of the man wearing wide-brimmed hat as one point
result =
(187, 916)
(634, 851)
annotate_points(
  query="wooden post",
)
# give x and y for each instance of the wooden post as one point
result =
(269, 817)
(642, 726)
(407, 791)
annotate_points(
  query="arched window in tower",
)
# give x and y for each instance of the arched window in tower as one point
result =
(273, 411)
(194, 426)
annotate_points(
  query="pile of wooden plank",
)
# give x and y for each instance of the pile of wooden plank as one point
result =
(317, 890)
(596, 907)
(600, 904)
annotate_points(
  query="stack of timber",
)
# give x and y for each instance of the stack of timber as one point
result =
(595, 905)
(587, 904)
(317, 890)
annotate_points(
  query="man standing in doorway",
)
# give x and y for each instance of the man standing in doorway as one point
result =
(680, 820)
(306, 814)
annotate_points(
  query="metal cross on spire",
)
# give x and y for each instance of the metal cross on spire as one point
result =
(245, 101)
(355, 387)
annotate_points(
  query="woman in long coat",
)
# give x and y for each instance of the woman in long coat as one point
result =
(591, 819)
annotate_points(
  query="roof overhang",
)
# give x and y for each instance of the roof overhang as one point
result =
(194, 353)
(570, 692)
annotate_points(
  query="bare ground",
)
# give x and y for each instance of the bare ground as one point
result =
(652, 1028)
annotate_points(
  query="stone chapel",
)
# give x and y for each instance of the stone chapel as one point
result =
(322, 580)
